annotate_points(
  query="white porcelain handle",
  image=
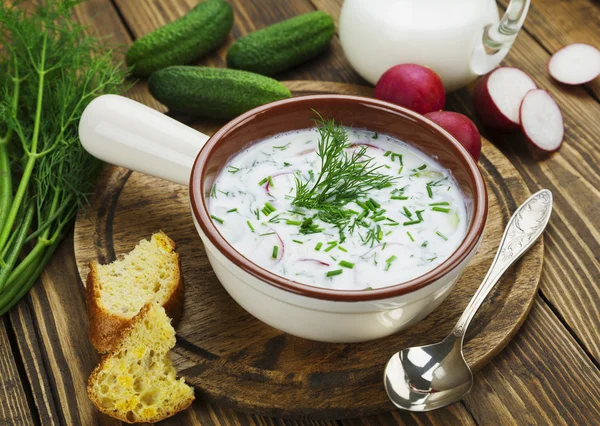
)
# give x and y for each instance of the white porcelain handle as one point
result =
(127, 133)
(496, 40)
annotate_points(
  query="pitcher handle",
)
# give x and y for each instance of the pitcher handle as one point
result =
(497, 39)
(127, 133)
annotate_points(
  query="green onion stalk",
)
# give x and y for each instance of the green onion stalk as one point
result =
(50, 69)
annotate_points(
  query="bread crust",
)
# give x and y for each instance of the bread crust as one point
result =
(106, 327)
(118, 343)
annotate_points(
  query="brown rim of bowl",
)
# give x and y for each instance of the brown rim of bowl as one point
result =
(469, 243)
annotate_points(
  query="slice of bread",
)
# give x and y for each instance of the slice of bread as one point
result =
(116, 292)
(137, 382)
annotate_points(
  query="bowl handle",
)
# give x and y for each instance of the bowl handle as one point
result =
(127, 133)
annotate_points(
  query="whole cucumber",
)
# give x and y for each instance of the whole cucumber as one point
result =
(184, 40)
(213, 92)
(283, 45)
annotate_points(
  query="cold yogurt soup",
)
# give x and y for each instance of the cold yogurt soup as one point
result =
(339, 208)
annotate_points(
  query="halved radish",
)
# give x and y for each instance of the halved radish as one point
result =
(577, 63)
(498, 96)
(541, 120)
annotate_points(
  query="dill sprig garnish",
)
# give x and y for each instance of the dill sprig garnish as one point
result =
(343, 177)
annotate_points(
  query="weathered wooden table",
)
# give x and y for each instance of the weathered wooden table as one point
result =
(549, 373)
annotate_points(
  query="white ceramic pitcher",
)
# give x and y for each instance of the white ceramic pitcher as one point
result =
(458, 39)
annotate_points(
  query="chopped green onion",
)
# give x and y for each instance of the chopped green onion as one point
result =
(363, 205)
(232, 169)
(271, 181)
(362, 215)
(379, 218)
(399, 197)
(410, 236)
(282, 147)
(232, 210)
(375, 135)
(293, 222)
(418, 212)
(411, 222)
(262, 182)
(270, 207)
(379, 212)
(275, 251)
(389, 262)
(429, 191)
(318, 246)
(375, 203)
(422, 167)
(346, 264)
(379, 233)
(370, 205)
(250, 225)
(331, 247)
(440, 209)
(285, 164)
(387, 153)
(352, 211)
(442, 235)
(424, 244)
(218, 219)
(383, 247)
(334, 273)
(407, 213)
(443, 203)
(213, 192)
(342, 249)
(265, 234)
(299, 242)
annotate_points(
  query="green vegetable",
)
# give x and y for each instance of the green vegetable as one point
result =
(282, 46)
(343, 177)
(214, 92)
(50, 69)
(182, 41)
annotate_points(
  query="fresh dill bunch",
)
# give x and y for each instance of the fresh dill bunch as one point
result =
(343, 176)
(50, 69)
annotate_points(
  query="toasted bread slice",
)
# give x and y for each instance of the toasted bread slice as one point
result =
(116, 292)
(137, 382)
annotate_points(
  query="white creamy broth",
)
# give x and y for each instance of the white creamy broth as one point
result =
(392, 235)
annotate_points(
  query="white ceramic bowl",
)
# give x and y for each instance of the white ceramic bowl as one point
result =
(126, 133)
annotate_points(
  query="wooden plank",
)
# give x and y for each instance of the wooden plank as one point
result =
(543, 377)
(143, 17)
(557, 23)
(571, 277)
(14, 408)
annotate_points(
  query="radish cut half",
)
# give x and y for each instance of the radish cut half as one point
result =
(541, 120)
(498, 96)
(576, 63)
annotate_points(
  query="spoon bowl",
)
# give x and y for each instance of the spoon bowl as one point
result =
(425, 378)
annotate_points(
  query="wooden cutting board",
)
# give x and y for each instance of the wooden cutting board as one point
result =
(235, 360)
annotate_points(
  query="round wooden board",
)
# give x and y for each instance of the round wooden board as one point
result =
(235, 360)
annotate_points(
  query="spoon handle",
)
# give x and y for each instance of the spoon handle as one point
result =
(524, 228)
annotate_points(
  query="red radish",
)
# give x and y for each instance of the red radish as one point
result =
(461, 127)
(368, 145)
(541, 120)
(412, 86)
(281, 183)
(498, 95)
(315, 261)
(577, 63)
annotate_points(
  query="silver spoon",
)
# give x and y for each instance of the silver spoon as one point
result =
(425, 378)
